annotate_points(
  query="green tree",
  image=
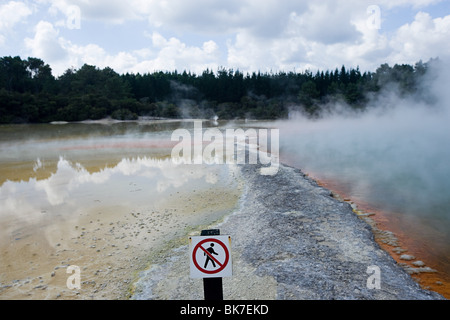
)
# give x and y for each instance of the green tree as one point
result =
(41, 76)
(124, 114)
(14, 74)
(308, 93)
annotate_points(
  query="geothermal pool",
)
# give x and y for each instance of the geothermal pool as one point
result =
(106, 196)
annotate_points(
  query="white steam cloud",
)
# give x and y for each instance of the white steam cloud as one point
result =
(397, 152)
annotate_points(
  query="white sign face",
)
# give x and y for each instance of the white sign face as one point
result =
(210, 256)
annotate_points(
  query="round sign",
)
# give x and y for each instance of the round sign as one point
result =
(222, 264)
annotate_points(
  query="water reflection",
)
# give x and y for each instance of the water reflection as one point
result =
(134, 181)
(61, 169)
(96, 196)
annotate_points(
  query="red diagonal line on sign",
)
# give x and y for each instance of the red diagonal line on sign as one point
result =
(210, 255)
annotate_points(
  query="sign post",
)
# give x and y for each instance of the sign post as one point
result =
(210, 259)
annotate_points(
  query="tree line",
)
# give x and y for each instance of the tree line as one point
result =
(30, 93)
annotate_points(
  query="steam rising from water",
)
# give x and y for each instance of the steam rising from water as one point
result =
(397, 153)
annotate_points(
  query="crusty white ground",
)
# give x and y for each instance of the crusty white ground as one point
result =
(290, 240)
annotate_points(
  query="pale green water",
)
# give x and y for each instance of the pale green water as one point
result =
(398, 163)
(44, 166)
(66, 189)
(396, 166)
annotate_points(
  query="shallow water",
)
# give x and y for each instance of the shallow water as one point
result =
(389, 165)
(97, 196)
(54, 178)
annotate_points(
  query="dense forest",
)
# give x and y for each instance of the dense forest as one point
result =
(29, 93)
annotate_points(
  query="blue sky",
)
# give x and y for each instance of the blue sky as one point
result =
(249, 35)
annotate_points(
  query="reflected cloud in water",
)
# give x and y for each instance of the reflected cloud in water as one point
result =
(133, 181)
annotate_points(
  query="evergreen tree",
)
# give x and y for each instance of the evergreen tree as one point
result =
(30, 93)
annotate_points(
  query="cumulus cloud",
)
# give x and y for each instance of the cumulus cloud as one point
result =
(165, 53)
(422, 39)
(313, 35)
(416, 4)
(173, 54)
(219, 17)
(314, 45)
(111, 11)
(11, 14)
(249, 35)
(62, 54)
(327, 23)
(46, 43)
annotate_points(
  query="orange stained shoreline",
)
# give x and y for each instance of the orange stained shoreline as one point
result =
(411, 240)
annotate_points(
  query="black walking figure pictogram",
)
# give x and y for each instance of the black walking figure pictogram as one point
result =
(208, 258)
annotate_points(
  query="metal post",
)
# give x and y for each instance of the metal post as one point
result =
(212, 287)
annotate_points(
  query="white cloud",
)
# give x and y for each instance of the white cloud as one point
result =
(261, 18)
(46, 43)
(315, 35)
(328, 23)
(169, 54)
(110, 11)
(248, 53)
(93, 54)
(249, 35)
(308, 42)
(166, 54)
(424, 38)
(415, 4)
(199, 15)
(11, 14)
(173, 54)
